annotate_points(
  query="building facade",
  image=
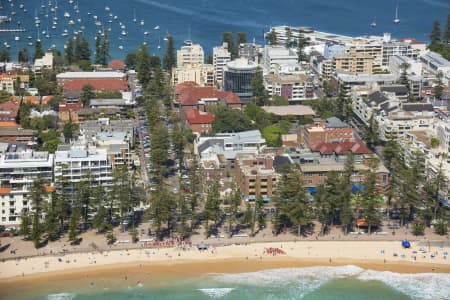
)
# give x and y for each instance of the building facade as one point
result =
(238, 76)
(17, 172)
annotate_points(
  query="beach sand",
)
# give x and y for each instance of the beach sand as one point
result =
(381, 255)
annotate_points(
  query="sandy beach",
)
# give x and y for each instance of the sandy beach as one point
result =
(379, 255)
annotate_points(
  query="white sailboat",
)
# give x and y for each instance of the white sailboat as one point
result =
(374, 23)
(396, 19)
(134, 16)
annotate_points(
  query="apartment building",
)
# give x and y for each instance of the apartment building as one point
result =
(221, 56)
(190, 54)
(374, 48)
(76, 162)
(353, 63)
(256, 176)
(18, 169)
(275, 56)
(434, 62)
(331, 130)
(294, 87)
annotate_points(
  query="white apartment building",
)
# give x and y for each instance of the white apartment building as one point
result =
(221, 56)
(434, 63)
(190, 54)
(395, 118)
(275, 56)
(396, 48)
(17, 172)
(75, 162)
(45, 62)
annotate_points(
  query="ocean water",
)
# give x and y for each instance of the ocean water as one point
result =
(203, 21)
(312, 283)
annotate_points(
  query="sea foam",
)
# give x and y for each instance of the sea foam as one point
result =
(426, 286)
(61, 296)
(216, 293)
(433, 286)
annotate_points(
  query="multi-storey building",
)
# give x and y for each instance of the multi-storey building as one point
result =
(294, 87)
(203, 74)
(221, 56)
(275, 56)
(331, 130)
(397, 48)
(75, 163)
(250, 51)
(190, 54)
(256, 176)
(359, 63)
(17, 172)
(373, 48)
(434, 63)
(238, 76)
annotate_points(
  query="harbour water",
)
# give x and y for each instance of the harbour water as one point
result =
(204, 20)
(344, 282)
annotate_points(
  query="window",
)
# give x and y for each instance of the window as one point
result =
(25, 203)
(11, 203)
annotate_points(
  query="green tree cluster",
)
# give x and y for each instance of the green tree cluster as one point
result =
(440, 40)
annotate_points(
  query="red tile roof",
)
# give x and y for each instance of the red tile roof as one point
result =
(97, 84)
(116, 64)
(193, 116)
(189, 93)
(356, 147)
(9, 110)
(5, 190)
(9, 124)
(67, 107)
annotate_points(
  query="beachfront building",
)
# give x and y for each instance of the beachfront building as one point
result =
(238, 76)
(219, 152)
(256, 175)
(221, 56)
(18, 169)
(371, 47)
(74, 163)
(332, 49)
(348, 81)
(325, 157)
(7, 83)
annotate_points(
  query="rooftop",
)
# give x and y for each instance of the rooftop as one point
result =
(91, 75)
(97, 84)
(194, 116)
(291, 110)
(189, 93)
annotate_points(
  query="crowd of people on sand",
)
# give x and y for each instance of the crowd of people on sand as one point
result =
(167, 243)
(274, 251)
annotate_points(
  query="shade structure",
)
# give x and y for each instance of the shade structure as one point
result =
(202, 246)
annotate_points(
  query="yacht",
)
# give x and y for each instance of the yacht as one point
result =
(396, 19)
(98, 23)
(17, 38)
(123, 32)
(134, 16)
(65, 33)
(145, 32)
(374, 23)
(142, 23)
(71, 22)
(121, 47)
(66, 15)
(156, 27)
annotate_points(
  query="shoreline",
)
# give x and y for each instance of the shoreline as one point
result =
(357, 253)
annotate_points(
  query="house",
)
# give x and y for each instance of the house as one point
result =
(9, 111)
(69, 111)
(189, 95)
(199, 121)
(19, 135)
(116, 65)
